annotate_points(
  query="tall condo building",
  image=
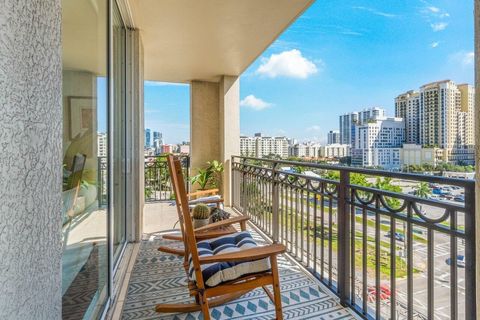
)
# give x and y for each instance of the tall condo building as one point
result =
(440, 115)
(348, 122)
(260, 146)
(378, 142)
(148, 138)
(101, 144)
(333, 137)
(407, 107)
(157, 139)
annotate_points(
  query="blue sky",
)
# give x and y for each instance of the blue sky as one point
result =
(340, 56)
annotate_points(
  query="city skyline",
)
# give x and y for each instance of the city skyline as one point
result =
(316, 71)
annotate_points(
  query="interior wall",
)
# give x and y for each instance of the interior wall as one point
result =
(78, 85)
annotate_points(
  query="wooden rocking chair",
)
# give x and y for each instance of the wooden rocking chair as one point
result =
(248, 266)
(209, 231)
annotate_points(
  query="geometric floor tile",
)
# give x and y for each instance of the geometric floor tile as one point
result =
(160, 278)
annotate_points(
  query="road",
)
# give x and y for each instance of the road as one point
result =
(420, 293)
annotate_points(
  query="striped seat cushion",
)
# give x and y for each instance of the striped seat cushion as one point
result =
(216, 273)
(193, 203)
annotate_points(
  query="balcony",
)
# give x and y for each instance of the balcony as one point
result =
(341, 226)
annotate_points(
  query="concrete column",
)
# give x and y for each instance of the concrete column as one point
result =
(215, 125)
(135, 141)
(477, 146)
(204, 123)
(229, 118)
(30, 159)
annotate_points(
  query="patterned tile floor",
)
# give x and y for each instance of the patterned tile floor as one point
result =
(159, 278)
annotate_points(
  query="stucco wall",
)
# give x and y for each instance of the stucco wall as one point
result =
(30, 159)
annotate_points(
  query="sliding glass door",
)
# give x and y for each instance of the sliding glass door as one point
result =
(85, 270)
(95, 152)
(119, 134)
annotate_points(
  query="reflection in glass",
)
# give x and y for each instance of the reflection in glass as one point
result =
(85, 258)
(119, 132)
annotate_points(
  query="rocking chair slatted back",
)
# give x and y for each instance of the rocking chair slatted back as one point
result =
(186, 224)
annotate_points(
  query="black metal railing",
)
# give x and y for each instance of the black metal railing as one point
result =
(157, 184)
(386, 252)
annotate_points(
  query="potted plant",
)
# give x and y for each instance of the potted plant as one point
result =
(208, 177)
(201, 215)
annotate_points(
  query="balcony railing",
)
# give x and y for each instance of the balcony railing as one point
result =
(158, 186)
(384, 251)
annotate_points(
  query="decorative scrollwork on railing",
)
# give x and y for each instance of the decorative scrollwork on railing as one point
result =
(421, 214)
(384, 201)
(364, 200)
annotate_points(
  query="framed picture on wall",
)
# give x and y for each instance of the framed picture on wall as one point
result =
(82, 115)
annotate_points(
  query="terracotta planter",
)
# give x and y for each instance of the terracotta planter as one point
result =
(197, 223)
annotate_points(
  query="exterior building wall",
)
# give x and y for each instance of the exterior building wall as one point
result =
(30, 159)
(414, 154)
(229, 128)
(348, 122)
(407, 107)
(333, 137)
(260, 146)
(378, 143)
(334, 151)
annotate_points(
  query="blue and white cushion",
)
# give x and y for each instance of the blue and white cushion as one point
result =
(193, 203)
(216, 273)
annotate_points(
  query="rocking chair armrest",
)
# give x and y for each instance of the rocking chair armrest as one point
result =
(223, 223)
(202, 193)
(246, 255)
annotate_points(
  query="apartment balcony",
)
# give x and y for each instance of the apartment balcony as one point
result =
(72, 77)
(341, 227)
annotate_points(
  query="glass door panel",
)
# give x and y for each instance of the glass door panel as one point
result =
(85, 175)
(119, 132)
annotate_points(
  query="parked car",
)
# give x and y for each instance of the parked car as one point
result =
(460, 261)
(398, 236)
(459, 199)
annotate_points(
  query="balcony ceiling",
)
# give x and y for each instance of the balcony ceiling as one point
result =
(188, 40)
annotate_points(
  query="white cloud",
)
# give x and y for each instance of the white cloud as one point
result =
(467, 58)
(463, 58)
(439, 26)
(435, 44)
(434, 9)
(288, 64)
(314, 128)
(163, 84)
(254, 103)
(376, 12)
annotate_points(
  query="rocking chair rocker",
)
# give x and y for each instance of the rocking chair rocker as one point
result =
(224, 268)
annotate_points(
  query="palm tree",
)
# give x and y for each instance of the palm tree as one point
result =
(423, 190)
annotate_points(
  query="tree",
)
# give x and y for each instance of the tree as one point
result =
(387, 185)
(423, 190)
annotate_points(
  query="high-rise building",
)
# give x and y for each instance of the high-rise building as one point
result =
(157, 138)
(407, 107)
(446, 113)
(260, 146)
(148, 137)
(101, 144)
(333, 137)
(378, 142)
(348, 122)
